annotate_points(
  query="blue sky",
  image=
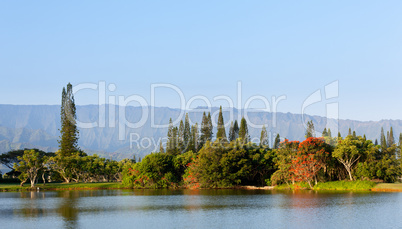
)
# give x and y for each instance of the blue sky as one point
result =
(205, 48)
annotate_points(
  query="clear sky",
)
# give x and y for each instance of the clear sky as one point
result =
(273, 48)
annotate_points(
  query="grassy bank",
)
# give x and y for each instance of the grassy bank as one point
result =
(346, 185)
(61, 186)
(388, 187)
(333, 185)
(300, 185)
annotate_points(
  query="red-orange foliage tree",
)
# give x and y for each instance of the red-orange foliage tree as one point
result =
(310, 158)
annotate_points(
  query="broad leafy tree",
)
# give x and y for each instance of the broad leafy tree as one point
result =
(29, 165)
(348, 152)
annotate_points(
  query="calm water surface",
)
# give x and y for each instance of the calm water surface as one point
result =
(199, 209)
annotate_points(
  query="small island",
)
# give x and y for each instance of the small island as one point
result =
(196, 158)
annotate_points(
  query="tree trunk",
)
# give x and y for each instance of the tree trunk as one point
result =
(33, 180)
(23, 182)
(309, 183)
(350, 173)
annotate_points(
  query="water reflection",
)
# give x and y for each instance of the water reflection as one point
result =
(67, 208)
(203, 208)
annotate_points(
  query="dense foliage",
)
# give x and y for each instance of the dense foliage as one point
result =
(236, 161)
(192, 158)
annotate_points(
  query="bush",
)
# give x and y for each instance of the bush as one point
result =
(156, 170)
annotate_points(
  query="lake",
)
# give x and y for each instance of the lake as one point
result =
(200, 209)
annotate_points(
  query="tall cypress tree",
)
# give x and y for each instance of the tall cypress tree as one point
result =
(383, 141)
(186, 132)
(399, 150)
(210, 127)
(231, 132)
(354, 134)
(390, 139)
(194, 139)
(236, 129)
(329, 133)
(243, 131)
(350, 132)
(221, 126)
(180, 139)
(176, 140)
(69, 133)
(376, 142)
(170, 141)
(277, 141)
(400, 140)
(161, 150)
(264, 137)
(204, 129)
(310, 132)
(324, 133)
(339, 134)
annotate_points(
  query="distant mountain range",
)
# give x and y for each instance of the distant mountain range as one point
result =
(29, 126)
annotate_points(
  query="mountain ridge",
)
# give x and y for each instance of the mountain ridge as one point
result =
(37, 126)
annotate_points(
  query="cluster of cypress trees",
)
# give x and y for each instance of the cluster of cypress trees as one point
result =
(185, 137)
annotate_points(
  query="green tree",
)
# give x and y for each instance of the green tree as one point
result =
(180, 140)
(170, 146)
(30, 164)
(231, 132)
(221, 126)
(161, 150)
(348, 152)
(264, 137)
(210, 127)
(277, 141)
(400, 147)
(243, 131)
(68, 142)
(285, 153)
(234, 131)
(8, 159)
(390, 139)
(206, 129)
(194, 139)
(310, 132)
(186, 132)
(156, 170)
(325, 133)
(173, 141)
(383, 141)
(400, 140)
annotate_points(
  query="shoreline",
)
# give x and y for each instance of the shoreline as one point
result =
(382, 187)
